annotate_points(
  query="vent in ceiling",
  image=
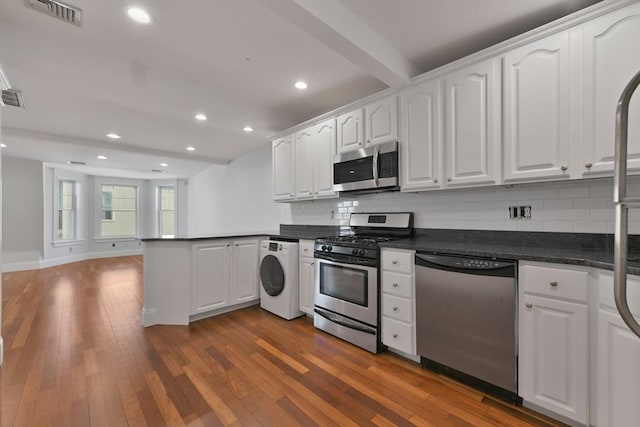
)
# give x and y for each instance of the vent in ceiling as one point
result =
(73, 162)
(157, 170)
(12, 98)
(59, 10)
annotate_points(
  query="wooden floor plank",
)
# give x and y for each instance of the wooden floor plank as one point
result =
(75, 354)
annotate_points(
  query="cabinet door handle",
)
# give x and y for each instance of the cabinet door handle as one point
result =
(528, 305)
(449, 179)
(306, 250)
(313, 263)
(394, 262)
(588, 165)
(553, 284)
(435, 181)
(395, 285)
(395, 335)
(564, 168)
(395, 308)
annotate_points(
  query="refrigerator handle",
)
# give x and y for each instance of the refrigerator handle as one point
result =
(622, 205)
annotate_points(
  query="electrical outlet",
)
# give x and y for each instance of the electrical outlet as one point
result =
(519, 212)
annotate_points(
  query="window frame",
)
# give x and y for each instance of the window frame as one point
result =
(98, 213)
(56, 211)
(159, 210)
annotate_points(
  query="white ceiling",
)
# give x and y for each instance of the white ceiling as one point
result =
(234, 60)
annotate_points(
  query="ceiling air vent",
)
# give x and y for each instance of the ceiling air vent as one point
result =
(12, 98)
(59, 10)
(73, 162)
(157, 170)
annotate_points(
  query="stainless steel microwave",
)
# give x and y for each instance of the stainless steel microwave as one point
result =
(372, 168)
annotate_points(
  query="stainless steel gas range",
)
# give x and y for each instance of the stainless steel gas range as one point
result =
(347, 277)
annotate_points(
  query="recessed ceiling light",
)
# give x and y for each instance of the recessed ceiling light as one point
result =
(200, 117)
(3, 145)
(191, 148)
(139, 15)
(247, 129)
(164, 165)
(300, 85)
(101, 157)
(113, 135)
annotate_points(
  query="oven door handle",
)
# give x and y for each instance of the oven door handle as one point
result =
(345, 322)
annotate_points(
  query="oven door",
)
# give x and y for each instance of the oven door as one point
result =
(347, 289)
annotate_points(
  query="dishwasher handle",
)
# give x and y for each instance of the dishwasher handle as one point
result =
(467, 265)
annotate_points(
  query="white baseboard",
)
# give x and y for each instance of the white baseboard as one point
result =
(148, 317)
(1, 351)
(52, 262)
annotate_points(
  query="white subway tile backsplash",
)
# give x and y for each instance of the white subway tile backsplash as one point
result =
(581, 206)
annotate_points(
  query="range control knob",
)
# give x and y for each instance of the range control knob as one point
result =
(354, 252)
(324, 247)
(361, 252)
(329, 248)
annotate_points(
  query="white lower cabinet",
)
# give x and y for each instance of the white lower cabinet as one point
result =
(618, 358)
(225, 273)
(398, 300)
(306, 279)
(553, 339)
(245, 280)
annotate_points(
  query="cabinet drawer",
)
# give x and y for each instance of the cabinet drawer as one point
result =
(398, 335)
(397, 284)
(306, 248)
(555, 282)
(401, 261)
(397, 308)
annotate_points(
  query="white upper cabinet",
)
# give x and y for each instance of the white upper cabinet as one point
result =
(536, 110)
(282, 155)
(421, 136)
(611, 59)
(304, 164)
(381, 121)
(350, 131)
(324, 146)
(473, 124)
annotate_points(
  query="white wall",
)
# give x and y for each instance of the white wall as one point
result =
(1, 260)
(234, 198)
(583, 206)
(22, 205)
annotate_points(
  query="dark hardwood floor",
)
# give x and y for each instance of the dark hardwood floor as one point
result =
(76, 355)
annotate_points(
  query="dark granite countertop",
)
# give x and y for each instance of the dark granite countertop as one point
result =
(592, 250)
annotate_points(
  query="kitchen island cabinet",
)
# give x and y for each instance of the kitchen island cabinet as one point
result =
(186, 280)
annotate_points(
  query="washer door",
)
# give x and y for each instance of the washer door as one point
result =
(271, 275)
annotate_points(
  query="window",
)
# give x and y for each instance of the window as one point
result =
(119, 214)
(66, 210)
(167, 209)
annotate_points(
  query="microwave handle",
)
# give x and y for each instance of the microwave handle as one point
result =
(376, 154)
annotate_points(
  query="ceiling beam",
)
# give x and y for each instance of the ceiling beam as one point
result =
(336, 26)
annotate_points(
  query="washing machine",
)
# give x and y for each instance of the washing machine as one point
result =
(279, 288)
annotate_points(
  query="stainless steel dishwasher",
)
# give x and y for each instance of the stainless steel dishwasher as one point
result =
(466, 320)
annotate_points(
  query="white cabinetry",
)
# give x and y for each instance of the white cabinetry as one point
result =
(314, 150)
(398, 300)
(421, 136)
(376, 123)
(306, 278)
(381, 121)
(225, 273)
(245, 280)
(618, 365)
(536, 111)
(211, 275)
(324, 148)
(282, 160)
(304, 164)
(611, 58)
(473, 124)
(350, 131)
(553, 339)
